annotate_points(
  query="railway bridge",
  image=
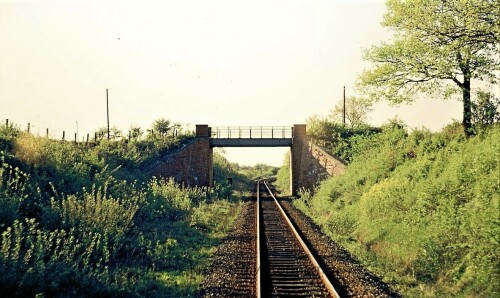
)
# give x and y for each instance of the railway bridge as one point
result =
(193, 164)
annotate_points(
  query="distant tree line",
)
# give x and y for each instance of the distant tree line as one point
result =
(161, 128)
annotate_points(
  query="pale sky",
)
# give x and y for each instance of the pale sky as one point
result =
(196, 62)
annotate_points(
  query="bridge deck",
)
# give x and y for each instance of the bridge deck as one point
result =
(250, 142)
(248, 136)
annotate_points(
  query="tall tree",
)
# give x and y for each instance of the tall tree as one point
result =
(136, 131)
(439, 47)
(115, 133)
(356, 111)
(162, 126)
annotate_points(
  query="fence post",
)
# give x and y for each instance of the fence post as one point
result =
(47, 134)
(7, 123)
(28, 127)
(75, 138)
(87, 138)
(64, 134)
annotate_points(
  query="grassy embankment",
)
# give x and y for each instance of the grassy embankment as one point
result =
(84, 220)
(419, 209)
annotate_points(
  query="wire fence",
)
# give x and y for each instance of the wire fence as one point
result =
(96, 136)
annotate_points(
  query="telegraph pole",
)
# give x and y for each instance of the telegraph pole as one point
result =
(343, 117)
(107, 108)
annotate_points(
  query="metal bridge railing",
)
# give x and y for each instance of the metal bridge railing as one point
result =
(252, 132)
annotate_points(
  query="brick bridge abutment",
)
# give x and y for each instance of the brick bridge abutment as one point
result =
(193, 165)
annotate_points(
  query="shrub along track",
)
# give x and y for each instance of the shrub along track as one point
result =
(350, 278)
(232, 273)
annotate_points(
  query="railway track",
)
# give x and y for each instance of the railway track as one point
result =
(285, 265)
(262, 257)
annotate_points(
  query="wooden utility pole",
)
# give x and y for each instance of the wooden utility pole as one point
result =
(107, 108)
(343, 117)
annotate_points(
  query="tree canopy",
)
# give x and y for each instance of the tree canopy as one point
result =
(485, 109)
(162, 126)
(439, 47)
(356, 111)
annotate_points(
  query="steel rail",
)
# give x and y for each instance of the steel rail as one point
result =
(320, 271)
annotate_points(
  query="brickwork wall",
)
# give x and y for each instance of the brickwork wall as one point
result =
(299, 141)
(191, 166)
(310, 164)
(330, 164)
(317, 165)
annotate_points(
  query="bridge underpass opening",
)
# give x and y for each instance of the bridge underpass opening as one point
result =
(252, 156)
(249, 142)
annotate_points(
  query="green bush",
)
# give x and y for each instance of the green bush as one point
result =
(13, 183)
(420, 209)
(39, 261)
(8, 133)
(83, 220)
(283, 176)
(334, 137)
(98, 212)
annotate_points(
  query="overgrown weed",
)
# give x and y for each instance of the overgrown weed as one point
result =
(420, 209)
(83, 220)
